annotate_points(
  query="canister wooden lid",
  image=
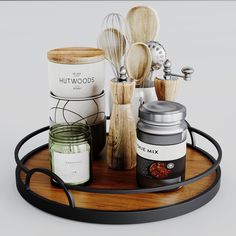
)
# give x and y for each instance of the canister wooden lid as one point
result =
(76, 55)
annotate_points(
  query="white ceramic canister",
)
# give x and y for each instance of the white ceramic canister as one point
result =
(76, 72)
(142, 95)
(90, 110)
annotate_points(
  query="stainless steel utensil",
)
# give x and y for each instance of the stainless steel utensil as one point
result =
(112, 40)
(187, 72)
(158, 55)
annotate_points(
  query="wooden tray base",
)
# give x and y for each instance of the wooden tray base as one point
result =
(118, 208)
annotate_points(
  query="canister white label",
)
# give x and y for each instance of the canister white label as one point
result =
(72, 168)
(161, 153)
(76, 81)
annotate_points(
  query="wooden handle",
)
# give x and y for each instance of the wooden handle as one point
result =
(121, 144)
(122, 92)
(166, 89)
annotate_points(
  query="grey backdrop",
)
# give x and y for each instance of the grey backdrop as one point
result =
(200, 34)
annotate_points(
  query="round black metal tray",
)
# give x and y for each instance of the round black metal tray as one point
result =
(113, 216)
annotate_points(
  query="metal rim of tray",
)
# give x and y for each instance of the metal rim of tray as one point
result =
(116, 217)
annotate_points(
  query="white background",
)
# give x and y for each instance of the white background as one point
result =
(200, 34)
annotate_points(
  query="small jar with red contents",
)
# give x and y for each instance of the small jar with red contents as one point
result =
(161, 144)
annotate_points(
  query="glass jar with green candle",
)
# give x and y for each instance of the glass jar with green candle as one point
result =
(70, 153)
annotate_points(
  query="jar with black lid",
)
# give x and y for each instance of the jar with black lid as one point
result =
(161, 144)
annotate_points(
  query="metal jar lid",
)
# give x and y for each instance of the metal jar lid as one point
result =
(162, 112)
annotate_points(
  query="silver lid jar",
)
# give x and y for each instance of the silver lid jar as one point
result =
(161, 143)
(162, 112)
(162, 118)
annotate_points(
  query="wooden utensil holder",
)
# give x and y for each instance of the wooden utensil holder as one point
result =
(166, 89)
(121, 144)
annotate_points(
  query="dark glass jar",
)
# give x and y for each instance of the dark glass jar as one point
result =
(161, 144)
(70, 153)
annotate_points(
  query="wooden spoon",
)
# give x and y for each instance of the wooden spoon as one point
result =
(113, 43)
(143, 23)
(138, 63)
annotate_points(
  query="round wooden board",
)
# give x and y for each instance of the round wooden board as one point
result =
(104, 177)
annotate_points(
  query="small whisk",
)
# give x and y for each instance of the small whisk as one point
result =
(113, 39)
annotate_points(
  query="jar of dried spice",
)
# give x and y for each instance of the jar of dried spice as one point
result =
(161, 143)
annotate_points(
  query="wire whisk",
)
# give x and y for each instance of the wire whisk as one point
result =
(113, 40)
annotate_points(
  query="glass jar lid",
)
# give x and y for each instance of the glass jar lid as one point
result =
(162, 112)
(72, 133)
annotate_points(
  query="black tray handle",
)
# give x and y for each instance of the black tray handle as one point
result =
(22, 142)
(192, 137)
(54, 177)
